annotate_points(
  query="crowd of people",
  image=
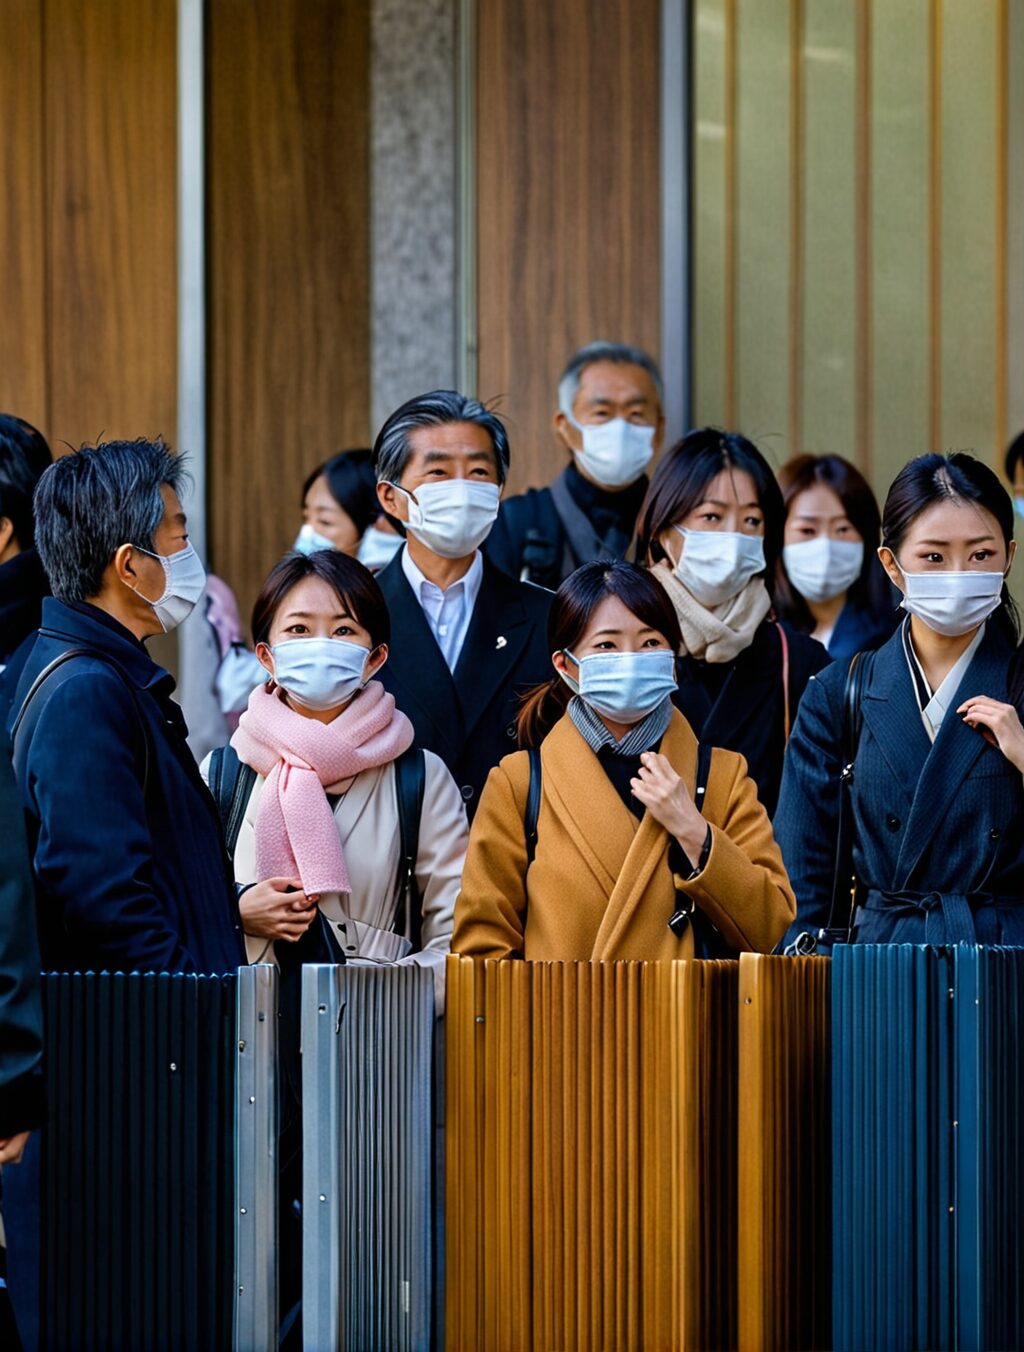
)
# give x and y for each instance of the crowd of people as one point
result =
(708, 710)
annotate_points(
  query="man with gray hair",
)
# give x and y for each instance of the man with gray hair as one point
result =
(466, 641)
(610, 420)
(128, 857)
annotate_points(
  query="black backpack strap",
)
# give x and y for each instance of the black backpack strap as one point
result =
(844, 887)
(532, 804)
(703, 773)
(31, 702)
(410, 787)
(231, 784)
(534, 522)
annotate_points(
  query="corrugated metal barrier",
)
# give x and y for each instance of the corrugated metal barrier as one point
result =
(928, 1093)
(368, 1268)
(138, 1205)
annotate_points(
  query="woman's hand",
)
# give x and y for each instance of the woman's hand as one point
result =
(277, 909)
(999, 724)
(668, 800)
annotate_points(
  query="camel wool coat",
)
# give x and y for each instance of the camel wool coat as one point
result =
(600, 886)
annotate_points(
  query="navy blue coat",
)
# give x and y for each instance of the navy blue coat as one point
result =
(467, 717)
(740, 705)
(939, 846)
(858, 629)
(127, 879)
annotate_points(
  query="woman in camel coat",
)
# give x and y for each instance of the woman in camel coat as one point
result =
(621, 848)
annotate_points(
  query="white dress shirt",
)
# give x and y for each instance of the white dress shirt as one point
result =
(448, 612)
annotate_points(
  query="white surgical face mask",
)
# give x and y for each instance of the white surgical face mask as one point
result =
(715, 565)
(952, 603)
(319, 673)
(615, 453)
(821, 569)
(308, 541)
(453, 516)
(625, 687)
(185, 581)
(377, 548)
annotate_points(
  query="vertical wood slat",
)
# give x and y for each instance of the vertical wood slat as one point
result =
(111, 232)
(784, 1154)
(24, 386)
(289, 264)
(568, 210)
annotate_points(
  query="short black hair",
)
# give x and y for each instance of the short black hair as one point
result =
(1014, 455)
(348, 579)
(24, 455)
(90, 503)
(352, 484)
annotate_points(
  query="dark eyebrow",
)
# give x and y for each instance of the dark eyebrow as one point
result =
(617, 632)
(744, 506)
(436, 457)
(307, 615)
(179, 519)
(978, 540)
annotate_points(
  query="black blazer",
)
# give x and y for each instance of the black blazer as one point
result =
(740, 704)
(467, 717)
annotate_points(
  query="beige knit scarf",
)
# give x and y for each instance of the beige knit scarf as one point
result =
(719, 634)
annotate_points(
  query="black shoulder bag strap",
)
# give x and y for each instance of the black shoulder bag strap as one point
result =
(707, 938)
(410, 786)
(61, 660)
(532, 804)
(231, 784)
(844, 883)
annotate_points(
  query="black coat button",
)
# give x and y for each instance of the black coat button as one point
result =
(467, 792)
(995, 833)
(510, 731)
(893, 823)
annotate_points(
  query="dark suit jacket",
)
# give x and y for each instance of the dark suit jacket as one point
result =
(930, 818)
(467, 717)
(21, 1011)
(740, 704)
(130, 868)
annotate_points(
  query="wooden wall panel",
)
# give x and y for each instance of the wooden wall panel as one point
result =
(288, 264)
(23, 385)
(568, 214)
(111, 96)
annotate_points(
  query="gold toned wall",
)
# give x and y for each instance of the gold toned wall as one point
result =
(851, 225)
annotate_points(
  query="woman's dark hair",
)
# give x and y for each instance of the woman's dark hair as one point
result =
(571, 610)
(1014, 455)
(353, 584)
(871, 590)
(24, 455)
(934, 478)
(353, 486)
(680, 483)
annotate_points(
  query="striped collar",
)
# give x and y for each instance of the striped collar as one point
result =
(642, 737)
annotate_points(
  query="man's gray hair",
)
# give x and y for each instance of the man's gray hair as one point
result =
(91, 502)
(617, 353)
(391, 450)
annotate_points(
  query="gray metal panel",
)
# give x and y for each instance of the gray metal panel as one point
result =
(256, 1128)
(322, 1200)
(676, 20)
(466, 339)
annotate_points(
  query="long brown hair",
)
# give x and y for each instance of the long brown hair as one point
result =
(571, 610)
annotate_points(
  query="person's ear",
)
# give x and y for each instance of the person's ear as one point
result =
(1010, 555)
(375, 660)
(125, 566)
(265, 658)
(566, 433)
(893, 571)
(565, 666)
(394, 503)
(6, 532)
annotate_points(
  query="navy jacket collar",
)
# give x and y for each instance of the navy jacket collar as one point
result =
(77, 622)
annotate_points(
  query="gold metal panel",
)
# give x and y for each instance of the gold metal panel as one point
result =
(969, 202)
(899, 226)
(711, 220)
(829, 215)
(763, 223)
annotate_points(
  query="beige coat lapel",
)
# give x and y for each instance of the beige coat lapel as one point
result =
(593, 816)
(646, 854)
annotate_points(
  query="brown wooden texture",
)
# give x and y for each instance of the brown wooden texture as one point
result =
(23, 385)
(110, 131)
(288, 261)
(568, 204)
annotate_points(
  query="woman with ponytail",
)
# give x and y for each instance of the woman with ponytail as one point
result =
(604, 845)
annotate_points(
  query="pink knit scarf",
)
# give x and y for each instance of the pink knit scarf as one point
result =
(302, 760)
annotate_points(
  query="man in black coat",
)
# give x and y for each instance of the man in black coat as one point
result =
(130, 868)
(467, 641)
(611, 422)
(24, 455)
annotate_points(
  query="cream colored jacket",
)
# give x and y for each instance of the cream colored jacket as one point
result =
(367, 820)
